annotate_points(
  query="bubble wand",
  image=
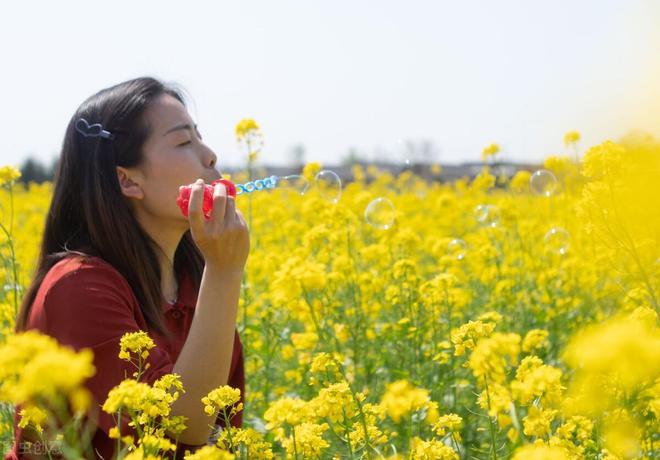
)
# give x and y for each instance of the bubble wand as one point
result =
(233, 190)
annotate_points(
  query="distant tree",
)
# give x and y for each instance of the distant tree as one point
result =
(53, 166)
(352, 157)
(33, 170)
(296, 155)
(421, 151)
(427, 151)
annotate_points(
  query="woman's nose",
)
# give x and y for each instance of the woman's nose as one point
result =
(213, 159)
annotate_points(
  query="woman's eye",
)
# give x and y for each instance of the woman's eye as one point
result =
(185, 143)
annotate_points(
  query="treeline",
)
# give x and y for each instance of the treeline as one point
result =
(34, 170)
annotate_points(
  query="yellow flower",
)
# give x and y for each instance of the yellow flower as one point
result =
(245, 127)
(9, 174)
(606, 350)
(221, 398)
(304, 340)
(448, 423)
(534, 339)
(114, 433)
(135, 342)
(311, 169)
(158, 443)
(129, 394)
(341, 332)
(210, 453)
(483, 181)
(326, 363)
(537, 423)
(490, 151)
(309, 442)
(577, 427)
(466, 336)
(34, 365)
(492, 355)
(536, 380)
(496, 399)
(539, 452)
(336, 403)
(436, 449)
(571, 137)
(256, 446)
(401, 398)
(622, 435)
(290, 411)
(32, 416)
(520, 181)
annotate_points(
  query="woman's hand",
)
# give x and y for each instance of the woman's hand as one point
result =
(223, 239)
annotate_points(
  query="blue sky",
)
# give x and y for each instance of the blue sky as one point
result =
(335, 75)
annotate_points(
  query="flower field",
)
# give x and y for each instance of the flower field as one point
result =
(396, 318)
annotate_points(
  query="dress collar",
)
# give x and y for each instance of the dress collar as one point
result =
(185, 297)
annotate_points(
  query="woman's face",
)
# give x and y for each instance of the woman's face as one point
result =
(174, 155)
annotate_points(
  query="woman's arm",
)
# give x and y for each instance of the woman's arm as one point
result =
(205, 359)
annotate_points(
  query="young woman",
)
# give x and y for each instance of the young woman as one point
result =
(118, 256)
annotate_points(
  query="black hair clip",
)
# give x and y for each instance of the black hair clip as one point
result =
(95, 130)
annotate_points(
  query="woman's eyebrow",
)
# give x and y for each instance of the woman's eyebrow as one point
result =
(177, 127)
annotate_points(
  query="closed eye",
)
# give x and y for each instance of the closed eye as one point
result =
(188, 142)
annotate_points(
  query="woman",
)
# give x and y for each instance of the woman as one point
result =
(118, 256)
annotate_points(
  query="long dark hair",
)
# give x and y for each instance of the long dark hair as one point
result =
(89, 215)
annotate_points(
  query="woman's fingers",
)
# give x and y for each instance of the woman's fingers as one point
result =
(195, 212)
(241, 219)
(219, 205)
(230, 209)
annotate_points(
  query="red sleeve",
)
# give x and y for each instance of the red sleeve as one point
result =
(92, 307)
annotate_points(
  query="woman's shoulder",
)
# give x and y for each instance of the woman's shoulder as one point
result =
(79, 290)
(79, 269)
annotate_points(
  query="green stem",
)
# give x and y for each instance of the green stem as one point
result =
(490, 425)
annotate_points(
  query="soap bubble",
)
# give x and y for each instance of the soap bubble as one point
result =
(487, 214)
(380, 213)
(294, 182)
(329, 185)
(457, 248)
(543, 182)
(557, 240)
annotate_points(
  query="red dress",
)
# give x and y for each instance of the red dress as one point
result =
(89, 304)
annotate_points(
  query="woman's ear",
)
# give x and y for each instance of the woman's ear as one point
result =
(129, 183)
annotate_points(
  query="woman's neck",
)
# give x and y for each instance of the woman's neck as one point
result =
(167, 235)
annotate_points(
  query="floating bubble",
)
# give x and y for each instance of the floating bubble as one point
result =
(380, 213)
(294, 182)
(487, 214)
(457, 248)
(329, 185)
(543, 182)
(557, 240)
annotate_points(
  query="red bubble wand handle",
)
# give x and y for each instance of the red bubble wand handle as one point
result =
(184, 196)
